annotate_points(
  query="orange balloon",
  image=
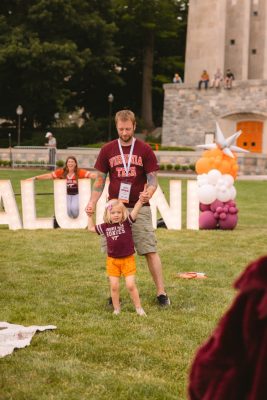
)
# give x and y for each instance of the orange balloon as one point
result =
(207, 153)
(234, 170)
(235, 167)
(225, 167)
(217, 152)
(212, 162)
(232, 161)
(202, 166)
(216, 159)
(217, 163)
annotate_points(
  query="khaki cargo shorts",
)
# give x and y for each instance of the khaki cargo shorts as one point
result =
(143, 233)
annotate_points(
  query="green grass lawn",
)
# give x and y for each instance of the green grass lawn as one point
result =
(58, 277)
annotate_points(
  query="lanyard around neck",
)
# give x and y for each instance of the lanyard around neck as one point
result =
(127, 168)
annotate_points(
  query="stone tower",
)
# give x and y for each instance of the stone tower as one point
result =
(221, 34)
(227, 34)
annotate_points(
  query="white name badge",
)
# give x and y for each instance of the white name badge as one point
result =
(124, 193)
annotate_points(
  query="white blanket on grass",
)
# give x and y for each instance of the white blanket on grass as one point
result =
(17, 336)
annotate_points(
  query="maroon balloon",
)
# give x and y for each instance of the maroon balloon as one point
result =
(229, 222)
(230, 203)
(207, 220)
(232, 210)
(215, 204)
(223, 215)
(204, 207)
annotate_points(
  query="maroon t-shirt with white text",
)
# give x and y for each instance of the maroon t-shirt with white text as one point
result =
(119, 238)
(143, 161)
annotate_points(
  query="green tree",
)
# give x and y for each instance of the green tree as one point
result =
(148, 32)
(52, 54)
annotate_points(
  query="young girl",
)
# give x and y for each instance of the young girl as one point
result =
(120, 260)
(71, 173)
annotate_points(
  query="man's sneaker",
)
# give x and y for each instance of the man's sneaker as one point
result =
(163, 300)
(116, 312)
(141, 311)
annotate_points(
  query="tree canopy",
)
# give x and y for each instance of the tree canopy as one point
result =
(56, 55)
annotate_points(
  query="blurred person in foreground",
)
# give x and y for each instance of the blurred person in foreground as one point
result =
(232, 364)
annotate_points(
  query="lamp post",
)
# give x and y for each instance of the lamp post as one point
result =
(19, 111)
(110, 101)
(10, 148)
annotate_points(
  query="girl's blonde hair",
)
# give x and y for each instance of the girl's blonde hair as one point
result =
(114, 203)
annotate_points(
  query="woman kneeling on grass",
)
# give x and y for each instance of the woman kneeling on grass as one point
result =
(120, 260)
(71, 173)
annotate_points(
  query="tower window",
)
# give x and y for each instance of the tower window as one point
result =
(232, 42)
(254, 51)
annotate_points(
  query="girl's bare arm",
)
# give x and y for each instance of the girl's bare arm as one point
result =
(41, 177)
(136, 209)
(91, 224)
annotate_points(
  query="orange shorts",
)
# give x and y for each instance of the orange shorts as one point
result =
(121, 266)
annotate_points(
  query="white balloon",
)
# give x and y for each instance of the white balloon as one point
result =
(223, 194)
(202, 179)
(228, 180)
(206, 194)
(232, 193)
(223, 188)
(213, 176)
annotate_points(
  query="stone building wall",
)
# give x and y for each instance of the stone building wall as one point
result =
(190, 114)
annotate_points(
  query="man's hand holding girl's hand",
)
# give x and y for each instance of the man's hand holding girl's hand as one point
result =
(90, 209)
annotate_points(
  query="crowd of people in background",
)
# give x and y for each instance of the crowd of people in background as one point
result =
(217, 79)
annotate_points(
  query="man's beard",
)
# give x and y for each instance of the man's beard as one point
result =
(126, 140)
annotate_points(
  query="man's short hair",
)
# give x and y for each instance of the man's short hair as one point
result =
(125, 115)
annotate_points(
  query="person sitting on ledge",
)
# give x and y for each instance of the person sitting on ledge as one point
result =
(229, 77)
(177, 78)
(217, 79)
(204, 79)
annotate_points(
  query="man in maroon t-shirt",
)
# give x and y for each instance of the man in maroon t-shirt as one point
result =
(132, 167)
